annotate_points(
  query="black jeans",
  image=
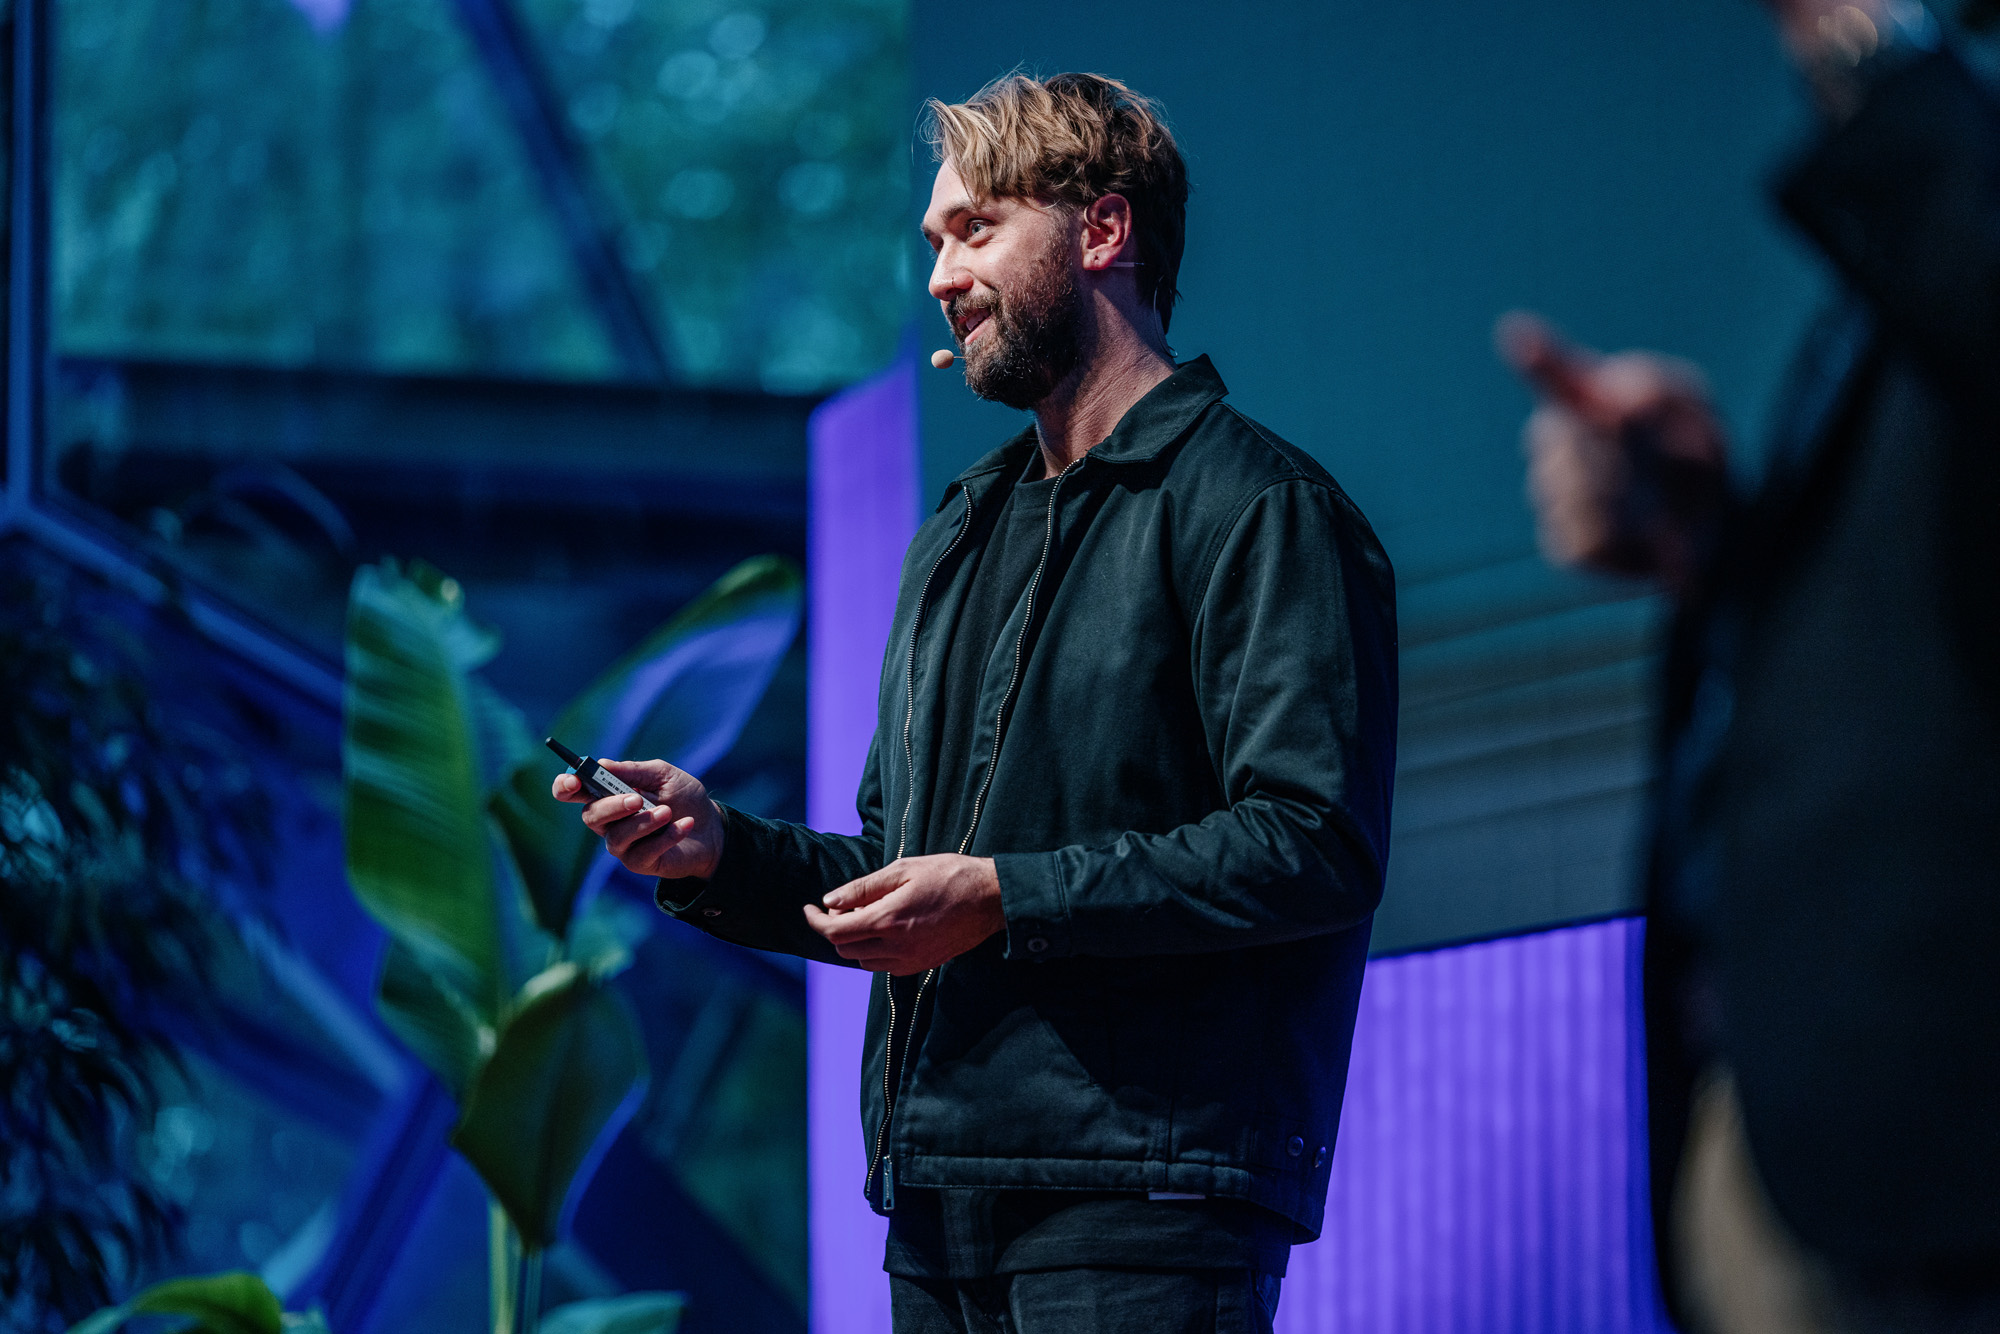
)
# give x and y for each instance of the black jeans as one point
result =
(1089, 1301)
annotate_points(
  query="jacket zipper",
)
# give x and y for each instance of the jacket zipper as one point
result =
(910, 675)
(891, 1069)
(890, 1075)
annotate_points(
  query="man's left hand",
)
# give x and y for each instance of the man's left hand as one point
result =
(913, 914)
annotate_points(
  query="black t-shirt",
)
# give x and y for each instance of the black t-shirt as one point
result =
(969, 1233)
(1003, 554)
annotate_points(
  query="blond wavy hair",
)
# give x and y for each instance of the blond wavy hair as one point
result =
(1071, 139)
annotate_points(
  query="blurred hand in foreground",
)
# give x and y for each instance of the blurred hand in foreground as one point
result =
(680, 837)
(1831, 40)
(1626, 458)
(1845, 31)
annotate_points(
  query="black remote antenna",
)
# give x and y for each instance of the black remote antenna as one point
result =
(597, 780)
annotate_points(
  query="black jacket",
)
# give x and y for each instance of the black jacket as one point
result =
(1826, 881)
(1185, 750)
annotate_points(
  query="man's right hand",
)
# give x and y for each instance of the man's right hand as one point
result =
(679, 838)
(1626, 457)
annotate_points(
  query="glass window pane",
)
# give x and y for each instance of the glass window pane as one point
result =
(312, 305)
(301, 182)
(760, 159)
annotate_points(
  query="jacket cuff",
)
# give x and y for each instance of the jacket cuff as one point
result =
(707, 903)
(1033, 900)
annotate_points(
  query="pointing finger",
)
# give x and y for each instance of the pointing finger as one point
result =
(1540, 356)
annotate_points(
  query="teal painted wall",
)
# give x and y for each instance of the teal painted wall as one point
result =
(1372, 185)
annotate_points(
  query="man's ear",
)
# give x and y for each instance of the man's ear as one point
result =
(1107, 231)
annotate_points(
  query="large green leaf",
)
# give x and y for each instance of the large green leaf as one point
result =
(634, 1313)
(547, 841)
(102, 1322)
(682, 695)
(501, 730)
(233, 1303)
(418, 852)
(605, 934)
(471, 646)
(568, 1061)
(434, 1021)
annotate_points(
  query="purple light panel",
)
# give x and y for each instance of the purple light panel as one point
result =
(1489, 1177)
(1490, 1172)
(864, 511)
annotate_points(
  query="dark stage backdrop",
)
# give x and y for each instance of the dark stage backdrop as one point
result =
(1372, 185)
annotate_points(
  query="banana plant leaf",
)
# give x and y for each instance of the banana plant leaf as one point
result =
(418, 849)
(605, 934)
(635, 1313)
(569, 1063)
(505, 741)
(683, 695)
(433, 1020)
(233, 1303)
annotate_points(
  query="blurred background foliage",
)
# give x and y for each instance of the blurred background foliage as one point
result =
(337, 183)
(129, 833)
(503, 943)
(192, 1080)
(336, 280)
(292, 197)
(760, 160)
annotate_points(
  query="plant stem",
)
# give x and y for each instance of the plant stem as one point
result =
(500, 1253)
(530, 1291)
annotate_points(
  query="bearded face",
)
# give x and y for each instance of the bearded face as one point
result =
(1033, 331)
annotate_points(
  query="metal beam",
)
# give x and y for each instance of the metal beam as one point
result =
(85, 546)
(27, 251)
(537, 113)
(27, 380)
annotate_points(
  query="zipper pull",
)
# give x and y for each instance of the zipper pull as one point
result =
(888, 1185)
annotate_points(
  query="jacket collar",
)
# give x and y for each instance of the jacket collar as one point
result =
(1164, 414)
(1148, 426)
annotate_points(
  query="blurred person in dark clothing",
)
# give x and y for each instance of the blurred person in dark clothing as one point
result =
(1823, 1017)
(1127, 811)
